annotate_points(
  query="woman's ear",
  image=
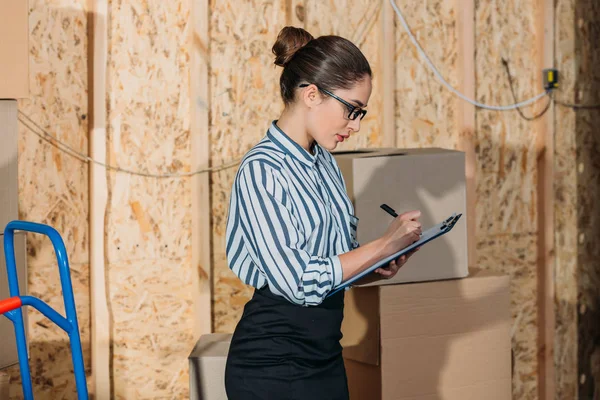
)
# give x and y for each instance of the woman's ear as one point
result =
(310, 96)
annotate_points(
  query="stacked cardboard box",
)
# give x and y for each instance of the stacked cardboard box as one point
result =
(14, 49)
(9, 198)
(207, 367)
(434, 331)
(429, 180)
(429, 340)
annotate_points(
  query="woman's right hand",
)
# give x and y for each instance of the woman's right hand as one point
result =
(403, 231)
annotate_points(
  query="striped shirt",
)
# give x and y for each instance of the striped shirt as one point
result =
(289, 219)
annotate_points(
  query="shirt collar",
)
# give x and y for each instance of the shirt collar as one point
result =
(285, 143)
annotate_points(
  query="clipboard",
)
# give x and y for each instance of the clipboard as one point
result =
(427, 236)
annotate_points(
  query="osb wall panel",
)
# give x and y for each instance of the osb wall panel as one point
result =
(53, 187)
(424, 107)
(566, 198)
(244, 86)
(148, 219)
(151, 317)
(506, 170)
(362, 26)
(520, 264)
(587, 86)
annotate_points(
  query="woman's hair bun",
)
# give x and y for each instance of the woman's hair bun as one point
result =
(289, 41)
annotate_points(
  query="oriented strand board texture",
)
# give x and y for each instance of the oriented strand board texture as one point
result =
(566, 209)
(506, 169)
(245, 99)
(148, 222)
(362, 26)
(520, 265)
(53, 187)
(424, 107)
(587, 87)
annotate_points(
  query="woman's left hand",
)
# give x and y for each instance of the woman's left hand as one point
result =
(394, 266)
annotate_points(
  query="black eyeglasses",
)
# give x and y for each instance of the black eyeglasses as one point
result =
(353, 111)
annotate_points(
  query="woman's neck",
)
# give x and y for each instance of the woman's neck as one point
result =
(292, 123)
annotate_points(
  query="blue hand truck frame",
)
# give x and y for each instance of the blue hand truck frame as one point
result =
(11, 307)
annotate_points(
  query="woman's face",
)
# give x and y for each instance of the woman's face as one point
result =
(328, 122)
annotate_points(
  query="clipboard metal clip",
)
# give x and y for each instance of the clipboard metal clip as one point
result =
(449, 223)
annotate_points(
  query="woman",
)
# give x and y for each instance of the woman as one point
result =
(291, 229)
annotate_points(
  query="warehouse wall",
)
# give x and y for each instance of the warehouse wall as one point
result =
(148, 220)
(147, 226)
(587, 87)
(578, 270)
(578, 173)
(507, 171)
(567, 197)
(53, 186)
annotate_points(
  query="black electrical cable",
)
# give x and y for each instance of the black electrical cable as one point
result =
(512, 89)
(550, 100)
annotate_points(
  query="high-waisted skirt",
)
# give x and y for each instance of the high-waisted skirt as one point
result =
(283, 351)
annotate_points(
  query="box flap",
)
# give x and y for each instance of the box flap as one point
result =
(390, 151)
(360, 326)
(366, 152)
(212, 345)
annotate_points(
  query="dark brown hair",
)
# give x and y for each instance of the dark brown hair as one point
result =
(330, 62)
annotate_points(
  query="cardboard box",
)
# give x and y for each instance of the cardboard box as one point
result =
(445, 340)
(14, 49)
(207, 367)
(9, 188)
(430, 180)
(9, 211)
(8, 350)
(4, 385)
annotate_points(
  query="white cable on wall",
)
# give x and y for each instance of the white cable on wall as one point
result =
(445, 83)
(27, 121)
(62, 146)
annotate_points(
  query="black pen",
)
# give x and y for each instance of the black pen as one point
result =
(389, 210)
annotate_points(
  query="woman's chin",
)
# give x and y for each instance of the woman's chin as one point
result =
(332, 147)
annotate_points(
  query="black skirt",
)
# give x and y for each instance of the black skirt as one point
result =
(282, 351)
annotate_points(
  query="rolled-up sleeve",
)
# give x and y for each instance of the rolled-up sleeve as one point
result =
(275, 241)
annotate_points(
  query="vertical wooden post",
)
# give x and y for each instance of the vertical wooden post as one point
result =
(98, 195)
(201, 206)
(466, 112)
(387, 80)
(545, 200)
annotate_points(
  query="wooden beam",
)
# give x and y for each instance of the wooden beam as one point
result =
(201, 206)
(387, 80)
(545, 200)
(466, 113)
(98, 195)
